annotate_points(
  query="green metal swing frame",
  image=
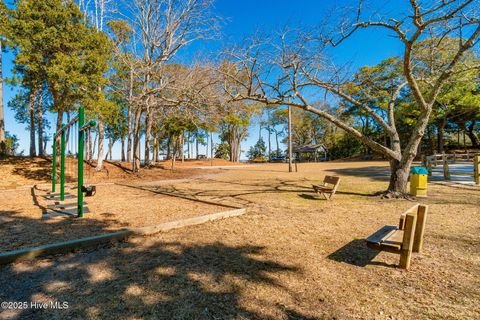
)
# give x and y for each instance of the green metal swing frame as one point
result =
(82, 127)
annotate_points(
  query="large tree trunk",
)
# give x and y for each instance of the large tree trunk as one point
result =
(3, 146)
(129, 118)
(136, 141)
(41, 151)
(400, 169)
(94, 144)
(110, 147)
(101, 139)
(122, 156)
(149, 123)
(32, 98)
(89, 146)
(234, 146)
(398, 177)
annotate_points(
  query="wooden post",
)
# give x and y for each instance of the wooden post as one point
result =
(446, 171)
(420, 228)
(407, 243)
(476, 169)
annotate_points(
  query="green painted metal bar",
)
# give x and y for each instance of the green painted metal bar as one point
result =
(62, 165)
(66, 126)
(54, 164)
(88, 125)
(81, 147)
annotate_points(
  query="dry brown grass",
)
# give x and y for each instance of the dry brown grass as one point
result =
(292, 256)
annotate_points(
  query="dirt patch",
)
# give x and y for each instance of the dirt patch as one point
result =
(27, 221)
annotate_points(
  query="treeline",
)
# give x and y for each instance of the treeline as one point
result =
(453, 125)
(123, 71)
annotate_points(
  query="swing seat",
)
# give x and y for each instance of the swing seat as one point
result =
(89, 190)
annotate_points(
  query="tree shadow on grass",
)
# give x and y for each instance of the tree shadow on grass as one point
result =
(374, 172)
(161, 280)
(358, 254)
(165, 280)
(120, 166)
(40, 224)
(236, 196)
(314, 196)
(38, 169)
(243, 189)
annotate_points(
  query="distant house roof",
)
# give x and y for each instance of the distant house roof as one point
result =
(311, 148)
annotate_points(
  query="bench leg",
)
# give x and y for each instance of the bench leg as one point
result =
(407, 243)
(405, 257)
(420, 228)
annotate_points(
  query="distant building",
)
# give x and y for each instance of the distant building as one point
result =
(310, 153)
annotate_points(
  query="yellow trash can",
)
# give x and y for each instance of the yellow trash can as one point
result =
(418, 181)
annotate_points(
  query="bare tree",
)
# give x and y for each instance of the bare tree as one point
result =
(292, 70)
(96, 12)
(162, 27)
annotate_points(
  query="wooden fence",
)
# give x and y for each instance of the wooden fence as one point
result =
(454, 158)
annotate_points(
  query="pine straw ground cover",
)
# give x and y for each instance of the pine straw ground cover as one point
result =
(26, 221)
(292, 256)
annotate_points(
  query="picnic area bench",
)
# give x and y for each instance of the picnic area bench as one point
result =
(403, 239)
(328, 188)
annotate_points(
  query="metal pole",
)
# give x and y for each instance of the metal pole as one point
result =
(62, 164)
(290, 169)
(81, 145)
(54, 163)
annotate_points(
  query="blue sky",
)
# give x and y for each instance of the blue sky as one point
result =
(242, 18)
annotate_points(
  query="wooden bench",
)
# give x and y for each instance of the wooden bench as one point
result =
(403, 239)
(328, 188)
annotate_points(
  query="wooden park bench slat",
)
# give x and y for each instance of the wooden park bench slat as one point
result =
(404, 239)
(328, 188)
(381, 234)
